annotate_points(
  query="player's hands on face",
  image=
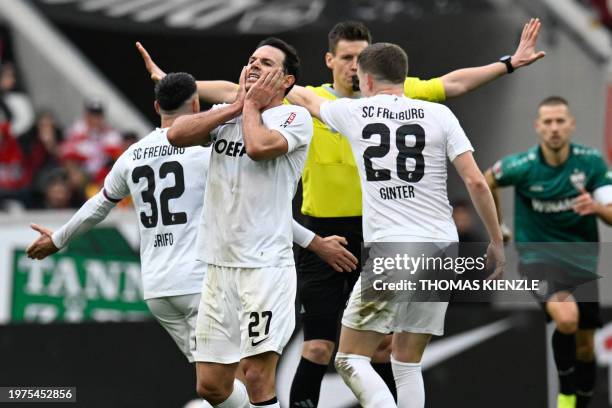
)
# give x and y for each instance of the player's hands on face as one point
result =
(332, 250)
(584, 203)
(241, 88)
(43, 246)
(265, 89)
(496, 260)
(156, 73)
(526, 53)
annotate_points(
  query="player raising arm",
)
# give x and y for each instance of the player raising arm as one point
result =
(385, 130)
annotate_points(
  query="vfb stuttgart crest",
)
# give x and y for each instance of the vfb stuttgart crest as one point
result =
(578, 179)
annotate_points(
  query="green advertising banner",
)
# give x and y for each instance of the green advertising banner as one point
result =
(96, 278)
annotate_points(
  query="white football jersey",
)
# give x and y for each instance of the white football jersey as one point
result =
(400, 147)
(247, 214)
(167, 186)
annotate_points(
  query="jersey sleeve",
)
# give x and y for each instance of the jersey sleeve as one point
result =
(295, 125)
(115, 183)
(510, 170)
(426, 90)
(336, 115)
(456, 140)
(601, 182)
(213, 133)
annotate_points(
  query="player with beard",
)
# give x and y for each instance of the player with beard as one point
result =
(561, 188)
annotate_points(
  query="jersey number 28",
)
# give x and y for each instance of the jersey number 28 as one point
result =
(168, 193)
(404, 152)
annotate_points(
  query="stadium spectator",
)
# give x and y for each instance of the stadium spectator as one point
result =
(58, 192)
(40, 146)
(604, 11)
(91, 140)
(15, 102)
(12, 178)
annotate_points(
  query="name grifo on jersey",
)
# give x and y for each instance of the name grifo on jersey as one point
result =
(162, 240)
(396, 192)
(149, 152)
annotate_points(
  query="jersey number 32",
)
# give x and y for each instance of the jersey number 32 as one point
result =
(148, 195)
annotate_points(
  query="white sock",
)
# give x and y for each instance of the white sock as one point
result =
(237, 399)
(366, 384)
(409, 383)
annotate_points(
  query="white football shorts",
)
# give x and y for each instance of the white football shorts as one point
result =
(244, 312)
(178, 315)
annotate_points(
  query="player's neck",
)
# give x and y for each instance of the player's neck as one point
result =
(344, 91)
(555, 157)
(276, 101)
(385, 89)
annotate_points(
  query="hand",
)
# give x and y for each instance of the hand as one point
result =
(43, 246)
(156, 73)
(496, 260)
(584, 203)
(239, 102)
(332, 250)
(526, 53)
(265, 89)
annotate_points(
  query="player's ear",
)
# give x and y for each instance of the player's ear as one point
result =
(288, 81)
(156, 105)
(328, 60)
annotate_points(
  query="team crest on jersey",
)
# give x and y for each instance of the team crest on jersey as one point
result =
(289, 119)
(578, 179)
(497, 169)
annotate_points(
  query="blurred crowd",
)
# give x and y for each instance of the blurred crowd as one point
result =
(45, 164)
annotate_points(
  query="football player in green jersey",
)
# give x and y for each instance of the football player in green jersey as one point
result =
(561, 188)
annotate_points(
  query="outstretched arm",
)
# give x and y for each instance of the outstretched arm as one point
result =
(209, 91)
(194, 130)
(482, 199)
(91, 213)
(331, 249)
(307, 98)
(461, 81)
(495, 193)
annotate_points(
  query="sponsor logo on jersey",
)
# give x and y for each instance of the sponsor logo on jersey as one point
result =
(289, 120)
(553, 206)
(578, 179)
(229, 148)
(536, 188)
(497, 170)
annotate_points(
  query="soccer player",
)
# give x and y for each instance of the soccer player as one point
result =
(247, 308)
(400, 146)
(560, 190)
(167, 185)
(332, 194)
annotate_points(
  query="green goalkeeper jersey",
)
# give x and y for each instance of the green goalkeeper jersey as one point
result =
(544, 196)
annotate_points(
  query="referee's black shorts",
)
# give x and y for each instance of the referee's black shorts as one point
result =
(323, 292)
(554, 279)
